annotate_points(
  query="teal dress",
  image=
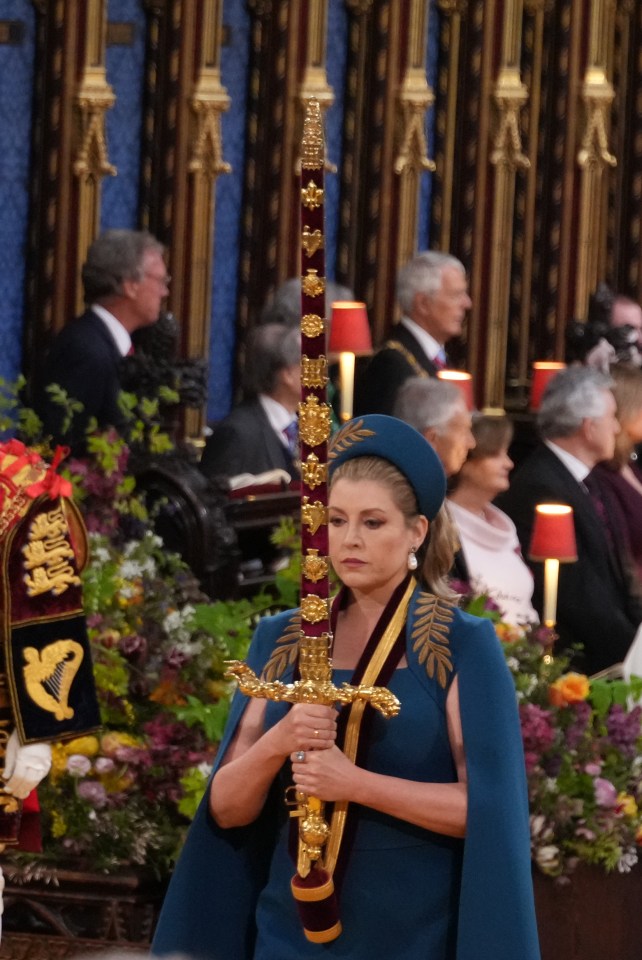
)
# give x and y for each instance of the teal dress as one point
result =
(384, 911)
(406, 893)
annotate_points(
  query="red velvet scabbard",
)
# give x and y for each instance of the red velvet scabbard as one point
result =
(317, 904)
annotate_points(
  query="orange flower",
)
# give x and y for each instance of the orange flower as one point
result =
(508, 633)
(570, 688)
(168, 694)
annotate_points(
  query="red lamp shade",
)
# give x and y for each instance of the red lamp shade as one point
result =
(543, 371)
(553, 536)
(349, 328)
(463, 381)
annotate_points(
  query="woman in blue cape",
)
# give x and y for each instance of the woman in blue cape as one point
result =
(428, 809)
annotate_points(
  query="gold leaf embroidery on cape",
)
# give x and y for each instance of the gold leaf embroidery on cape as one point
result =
(430, 635)
(285, 651)
(344, 438)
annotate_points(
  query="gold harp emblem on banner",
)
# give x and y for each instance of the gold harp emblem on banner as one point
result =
(312, 196)
(49, 674)
(311, 240)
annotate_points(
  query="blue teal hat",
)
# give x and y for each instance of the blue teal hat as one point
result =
(394, 440)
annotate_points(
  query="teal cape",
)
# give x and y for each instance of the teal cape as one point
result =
(209, 909)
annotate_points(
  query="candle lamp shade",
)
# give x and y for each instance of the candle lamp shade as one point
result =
(463, 381)
(349, 329)
(543, 371)
(553, 536)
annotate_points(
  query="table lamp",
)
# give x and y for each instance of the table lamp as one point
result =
(349, 337)
(553, 541)
(543, 371)
(463, 381)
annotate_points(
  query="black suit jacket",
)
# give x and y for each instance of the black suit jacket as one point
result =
(84, 360)
(376, 390)
(596, 605)
(245, 442)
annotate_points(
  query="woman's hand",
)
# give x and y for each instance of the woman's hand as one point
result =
(307, 726)
(326, 774)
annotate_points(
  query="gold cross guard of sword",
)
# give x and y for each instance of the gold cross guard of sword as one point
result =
(315, 686)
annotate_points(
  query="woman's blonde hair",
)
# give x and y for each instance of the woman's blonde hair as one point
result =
(627, 390)
(436, 554)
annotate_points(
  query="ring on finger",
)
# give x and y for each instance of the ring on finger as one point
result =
(299, 756)
(316, 733)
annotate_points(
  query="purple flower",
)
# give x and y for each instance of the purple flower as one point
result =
(537, 728)
(576, 730)
(605, 792)
(104, 765)
(593, 769)
(624, 728)
(93, 792)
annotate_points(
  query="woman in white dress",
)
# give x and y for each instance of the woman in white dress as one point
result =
(488, 538)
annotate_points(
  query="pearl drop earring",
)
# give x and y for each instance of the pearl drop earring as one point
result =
(412, 559)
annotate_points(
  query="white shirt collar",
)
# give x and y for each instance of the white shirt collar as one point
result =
(115, 327)
(426, 341)
(277, 414)
(574, 466)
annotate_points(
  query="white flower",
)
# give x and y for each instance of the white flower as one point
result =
(548, 857)
(131, 570)
(513, 664)
(78, 765)
(627, 861)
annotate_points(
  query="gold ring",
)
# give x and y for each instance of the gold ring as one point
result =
(316, 733)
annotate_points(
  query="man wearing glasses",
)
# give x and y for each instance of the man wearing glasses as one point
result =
(125, 282)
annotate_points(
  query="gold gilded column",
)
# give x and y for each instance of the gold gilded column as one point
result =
(537, 9)
(93, 98)
(452, 11)
(314, 81)
(510, 95)
(415, 98)
(208, 101)
(594, 155)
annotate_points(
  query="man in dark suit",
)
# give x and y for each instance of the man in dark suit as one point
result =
(598, 605)
(125, 282)
(261, 433)
(432, 293)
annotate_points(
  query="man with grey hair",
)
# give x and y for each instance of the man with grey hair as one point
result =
(598, 605)
(432, 292)
(437, 409)
(125, 281)
(261, 432)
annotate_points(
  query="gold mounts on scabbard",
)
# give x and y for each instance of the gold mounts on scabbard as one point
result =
(312, 147)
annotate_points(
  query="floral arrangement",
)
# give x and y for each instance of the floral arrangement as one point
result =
(124, 795)
(583, 751)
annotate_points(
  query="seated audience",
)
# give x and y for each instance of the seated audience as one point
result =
(597, 604)
(261, 433)
(437, 409)
(489, 545)
(620, 479)
(432, 292)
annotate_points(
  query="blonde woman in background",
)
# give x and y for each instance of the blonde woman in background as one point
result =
(488, 537)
